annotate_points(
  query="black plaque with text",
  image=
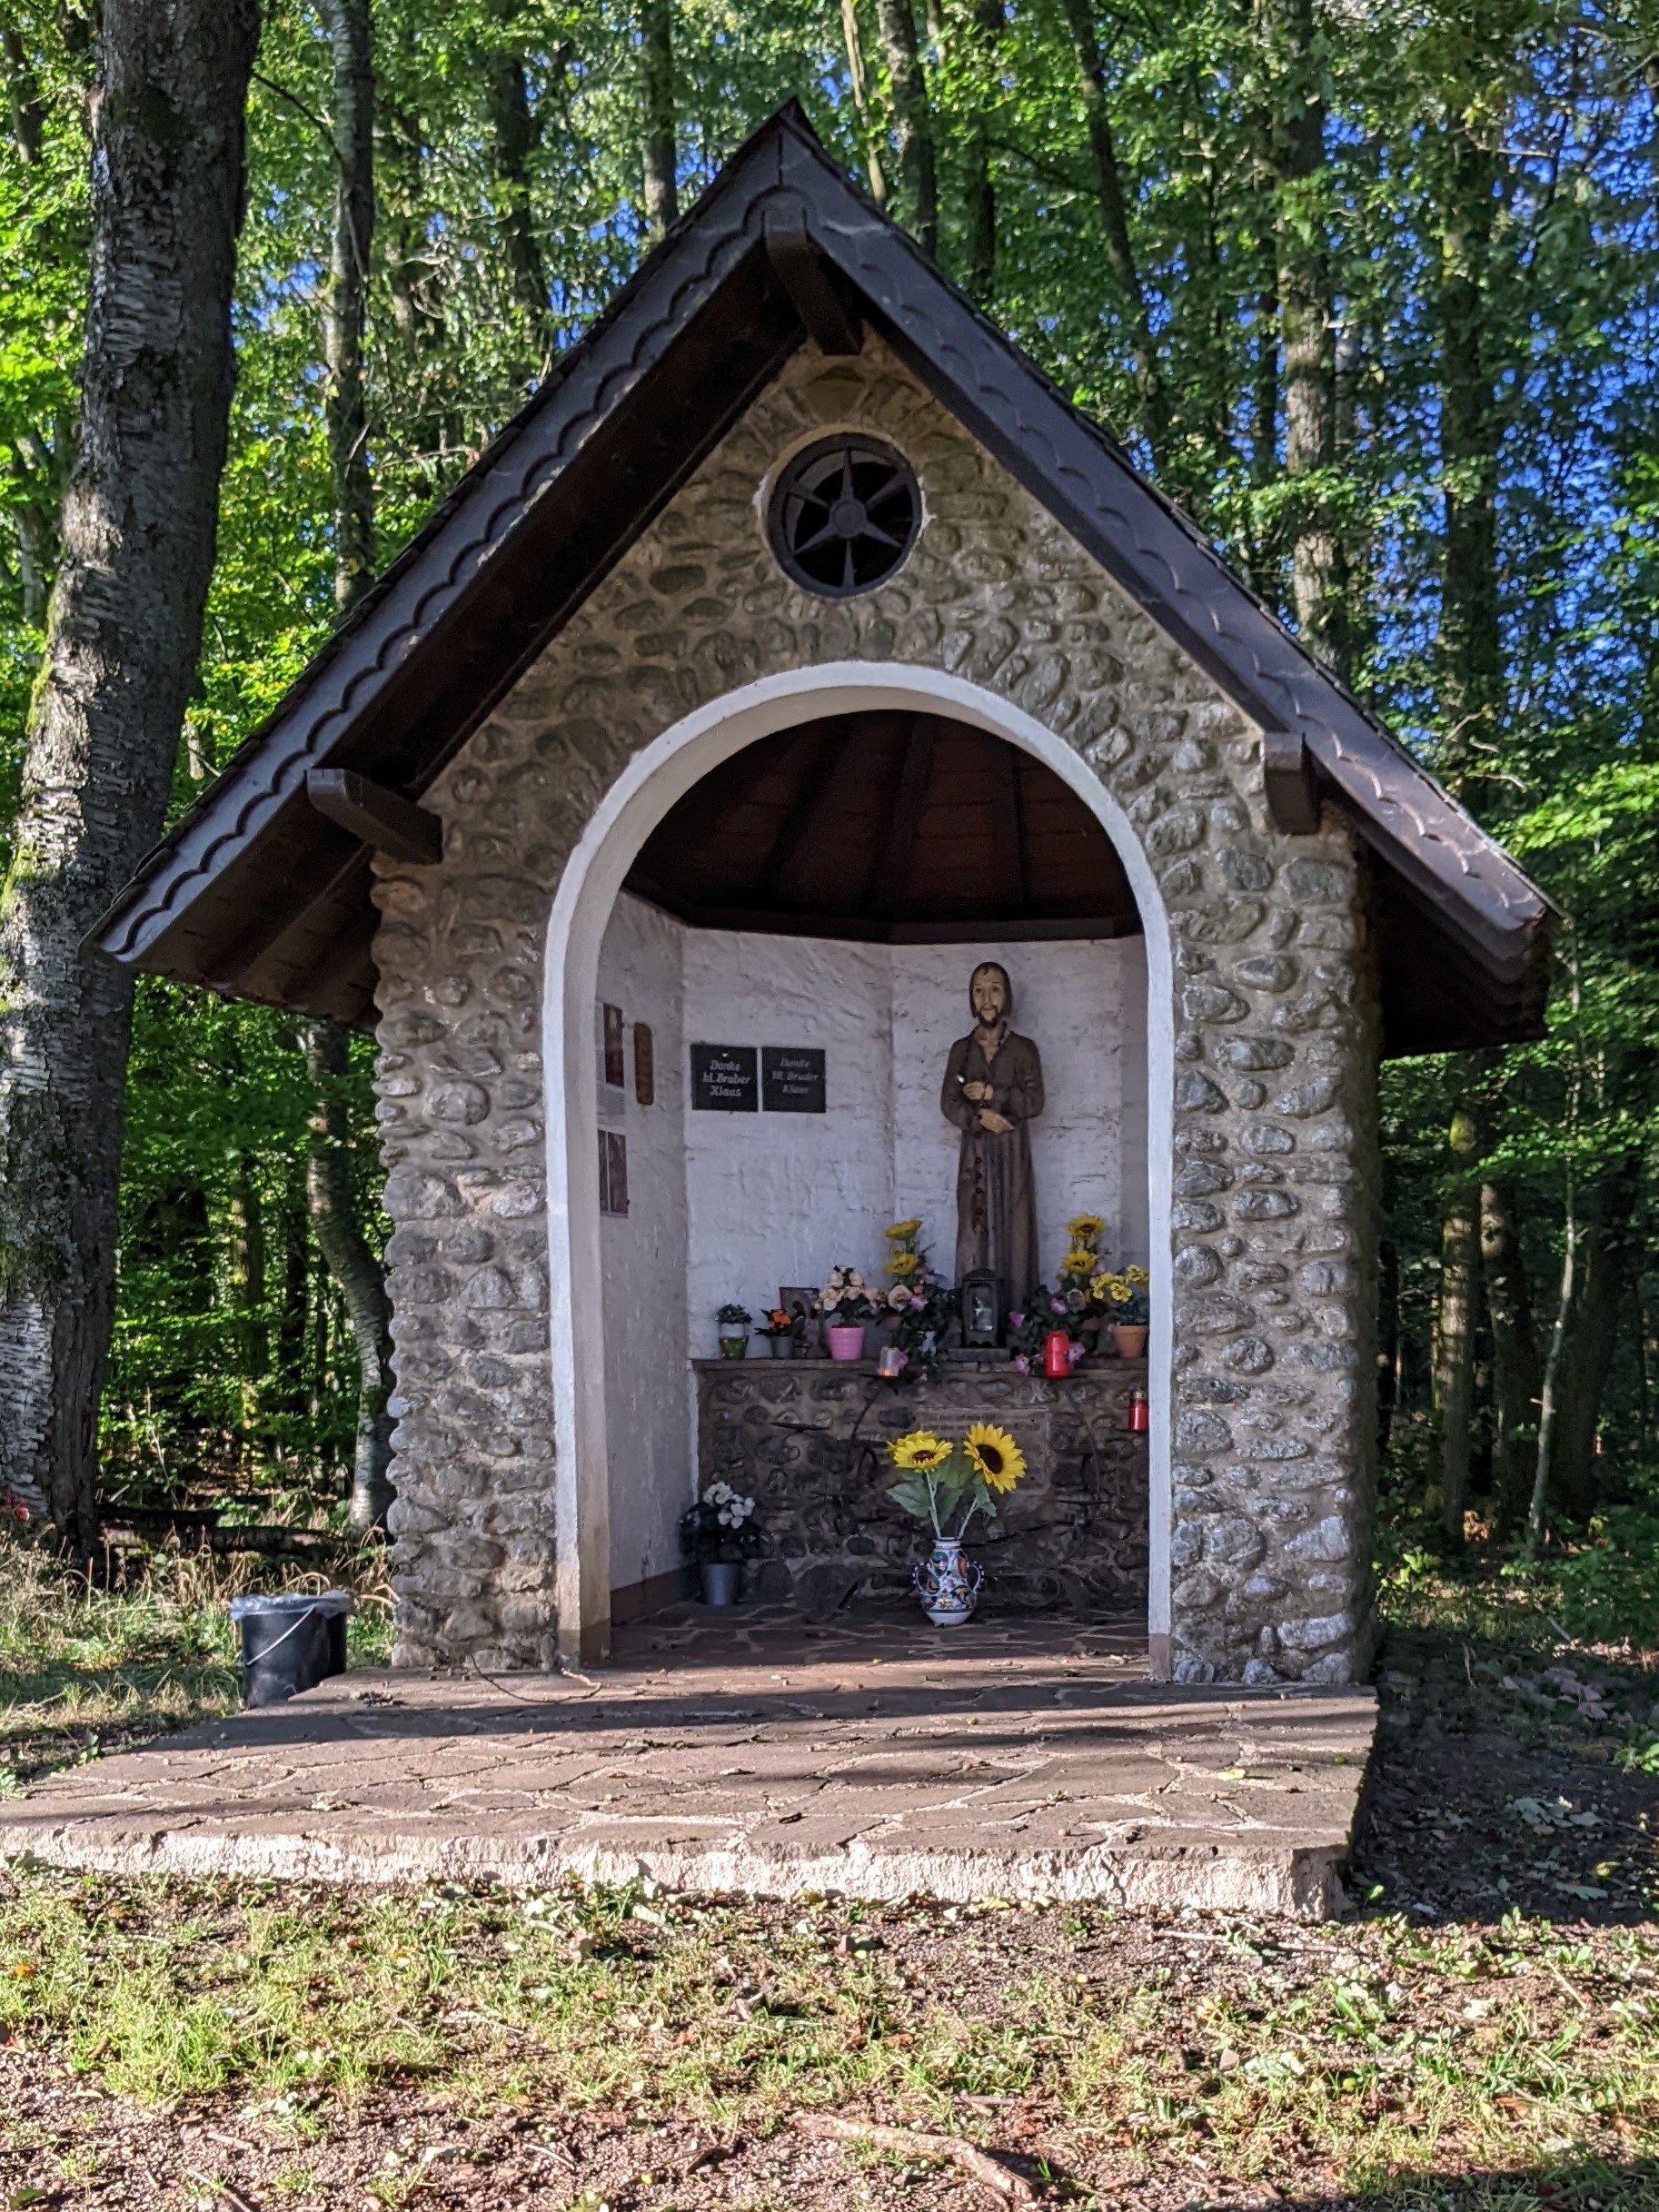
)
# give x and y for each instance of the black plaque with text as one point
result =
(723, 1079)
(792, 1078)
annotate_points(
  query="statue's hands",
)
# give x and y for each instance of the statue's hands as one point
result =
(978, 1091)
(998, 1124)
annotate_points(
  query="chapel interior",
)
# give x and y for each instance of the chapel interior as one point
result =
(833, 887)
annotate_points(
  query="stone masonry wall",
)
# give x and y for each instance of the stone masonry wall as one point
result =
(804, 1438)
(1275, 1036)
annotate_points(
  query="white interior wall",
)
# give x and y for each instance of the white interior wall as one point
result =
(643, 1253)
(733, 1205)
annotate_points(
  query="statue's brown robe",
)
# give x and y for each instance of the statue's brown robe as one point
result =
(996, 1199)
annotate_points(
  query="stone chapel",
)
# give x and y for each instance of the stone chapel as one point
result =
(796, 650)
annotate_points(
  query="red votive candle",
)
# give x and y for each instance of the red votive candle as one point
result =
(1056, 1355)
(1140, 1413)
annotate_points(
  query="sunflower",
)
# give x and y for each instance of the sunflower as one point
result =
(1078, 1261)
(995, 1458)
(919, 1453)
(904, 1263)
(903, 1228)
(1084, 1229)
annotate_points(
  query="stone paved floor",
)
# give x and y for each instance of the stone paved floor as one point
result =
(874, 1756)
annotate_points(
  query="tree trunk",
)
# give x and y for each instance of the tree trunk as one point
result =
(1516, 1370)
(1387, 1343)
(1470, 642)
(1296, 142)
(1549, 1392)
(345, 299)
(1454, 1368)
(1119, 249)
(657, 51)
(138, 528)
(247, 1283)
(978, 193)
(512, 132)
(355, 1268)
(1610, 1244)
(23, 97)
(912, 122)
(858, 77)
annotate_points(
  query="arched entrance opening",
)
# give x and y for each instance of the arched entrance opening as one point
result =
(815, 867)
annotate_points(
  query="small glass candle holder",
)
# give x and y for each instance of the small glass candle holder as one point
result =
(892, 1363)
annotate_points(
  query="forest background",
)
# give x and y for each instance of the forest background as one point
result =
(1370, 288)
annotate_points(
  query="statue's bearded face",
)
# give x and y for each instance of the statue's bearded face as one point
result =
(990, 1001)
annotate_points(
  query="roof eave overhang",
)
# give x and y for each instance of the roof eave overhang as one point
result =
(526, 516)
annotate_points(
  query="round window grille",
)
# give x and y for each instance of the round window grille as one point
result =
(844, 514)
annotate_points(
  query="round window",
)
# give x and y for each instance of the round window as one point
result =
(844, 514)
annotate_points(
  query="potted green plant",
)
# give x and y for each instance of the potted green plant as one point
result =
(717, 1535)
(732, 1322)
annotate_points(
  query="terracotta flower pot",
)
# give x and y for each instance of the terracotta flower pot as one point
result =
(845, 1340)
(1130, 1339)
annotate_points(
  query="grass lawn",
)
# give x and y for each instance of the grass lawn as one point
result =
(1482, 2031)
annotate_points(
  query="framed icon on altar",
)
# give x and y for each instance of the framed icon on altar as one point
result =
(800, 1298)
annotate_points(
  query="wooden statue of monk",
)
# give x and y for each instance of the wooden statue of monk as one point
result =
(993, 1089)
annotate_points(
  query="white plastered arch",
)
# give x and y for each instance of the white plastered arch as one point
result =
(630, 810)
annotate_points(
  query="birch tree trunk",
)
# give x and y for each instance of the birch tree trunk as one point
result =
(1113, 217)
(1459, 1292)
(657, 51)
(857, 76)
(912, 122)
(353, 1262)
(138, 551)
(345, 301)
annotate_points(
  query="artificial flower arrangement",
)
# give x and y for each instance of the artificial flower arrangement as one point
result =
(1043, 1311)
(779, 1322)
(942, 1480)
(720, 1526)
(1124, 1299)
(920, 1303)
(846, 1299)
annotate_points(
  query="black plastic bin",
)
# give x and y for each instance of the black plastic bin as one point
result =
(289, 1643)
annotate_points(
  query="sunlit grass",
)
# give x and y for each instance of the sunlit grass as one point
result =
(80, 1664)
(1375, 2049)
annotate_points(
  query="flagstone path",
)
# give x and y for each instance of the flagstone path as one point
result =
(872, 1756)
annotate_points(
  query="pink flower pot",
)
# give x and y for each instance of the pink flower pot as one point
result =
(845, 1340)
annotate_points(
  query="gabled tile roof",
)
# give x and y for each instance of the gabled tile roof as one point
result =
(254, 892)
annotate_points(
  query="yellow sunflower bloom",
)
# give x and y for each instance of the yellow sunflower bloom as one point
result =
(995, 1458)
(1085, 1229)
(904, 1263)
(1078, 1261)
(918, 1452)
(903, 1228)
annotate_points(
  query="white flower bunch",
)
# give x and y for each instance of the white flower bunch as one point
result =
(730, 1511)
(847, 1287)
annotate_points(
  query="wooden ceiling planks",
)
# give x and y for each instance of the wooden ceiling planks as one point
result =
(887, 825)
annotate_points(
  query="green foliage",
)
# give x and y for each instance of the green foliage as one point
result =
(492, 253)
